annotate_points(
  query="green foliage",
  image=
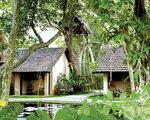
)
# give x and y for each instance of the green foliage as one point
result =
(39, 115)
(147, 88)
(63, 86)
(120, 25)
(26, 42)
(73, 84)
(94, 112)
(11, 111)
(85, 112)
(3, 46)
(66, 114)
(133, 107)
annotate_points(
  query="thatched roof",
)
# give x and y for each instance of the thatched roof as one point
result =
(112, 59)
(42, 60)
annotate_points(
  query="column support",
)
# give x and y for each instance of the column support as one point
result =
(51, 84)
(46, 84)
(17, 83)
(105, 83)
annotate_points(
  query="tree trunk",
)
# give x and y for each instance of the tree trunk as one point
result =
(141, 13)
(1, 44)
(148, 58)
(141, 82)
(79, 58)
(69, 51)
(91, 54)
(6, 77)
(84, 62)
(70, 56)
(37, 46)
(127, 50)
(131, 75)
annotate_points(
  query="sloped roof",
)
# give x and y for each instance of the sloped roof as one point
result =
(112, 59)
(42, 60)
(19, 53)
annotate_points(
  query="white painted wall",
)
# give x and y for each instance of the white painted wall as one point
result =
(61, 67)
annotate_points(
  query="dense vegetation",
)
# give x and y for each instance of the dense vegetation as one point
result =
(11, 111)
(82, 26)
(127, 107)
(75, 84)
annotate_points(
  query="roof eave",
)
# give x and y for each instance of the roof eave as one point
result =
(106, 71)
(31, 71)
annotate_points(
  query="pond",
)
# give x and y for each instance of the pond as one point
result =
(31, 107)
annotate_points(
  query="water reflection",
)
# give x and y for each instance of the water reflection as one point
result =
(29, 108)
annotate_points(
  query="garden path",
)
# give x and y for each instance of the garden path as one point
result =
(70, 99)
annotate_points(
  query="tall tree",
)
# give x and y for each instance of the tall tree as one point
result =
(127, 22)
(7, 72)
(61, 15)
(142, 16)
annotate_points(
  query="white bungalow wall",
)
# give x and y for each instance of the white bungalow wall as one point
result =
(61, 67)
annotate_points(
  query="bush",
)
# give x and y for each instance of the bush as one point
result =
(76, 84)
(63, 86)
(133, 107)
(85, 112)
(11, 111)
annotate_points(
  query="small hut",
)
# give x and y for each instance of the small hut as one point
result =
(39, 73)
(113, 66)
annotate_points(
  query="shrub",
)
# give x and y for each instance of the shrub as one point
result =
(11, 111)
(63, 86)
(85, 112)
(76, 84)
(133, 107)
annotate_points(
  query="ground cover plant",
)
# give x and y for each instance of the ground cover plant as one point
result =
(127, 107)
(11, 111)
(116, 22)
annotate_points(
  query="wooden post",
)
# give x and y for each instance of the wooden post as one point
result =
(17, 83)
(51, 83)
(46, 84)
(105, 83)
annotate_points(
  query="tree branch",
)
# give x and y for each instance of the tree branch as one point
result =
(41, 44)
(36, 33)
(49, 22)
(54, 37)
(35, 47)
(32, 22)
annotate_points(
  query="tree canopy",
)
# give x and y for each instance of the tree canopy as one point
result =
(85, 26)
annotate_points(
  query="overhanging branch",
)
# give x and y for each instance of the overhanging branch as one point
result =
(35, 47)
(36, 33)
(49, 22)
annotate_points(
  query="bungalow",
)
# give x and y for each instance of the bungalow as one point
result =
(39, 73)
(114, 69)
